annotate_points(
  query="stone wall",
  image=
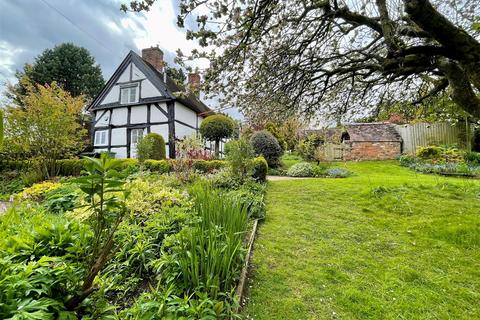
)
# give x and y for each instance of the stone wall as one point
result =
(371, 150)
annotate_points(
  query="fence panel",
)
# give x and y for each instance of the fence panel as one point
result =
(425, 134)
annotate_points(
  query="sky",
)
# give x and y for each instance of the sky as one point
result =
(27, 27)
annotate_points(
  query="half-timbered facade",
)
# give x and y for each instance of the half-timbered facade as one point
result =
(138, 99)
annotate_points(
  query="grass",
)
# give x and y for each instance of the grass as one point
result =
(386, 243)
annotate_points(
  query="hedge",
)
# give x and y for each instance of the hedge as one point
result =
(73, 167)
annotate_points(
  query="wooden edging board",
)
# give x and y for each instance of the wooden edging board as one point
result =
(243, 276)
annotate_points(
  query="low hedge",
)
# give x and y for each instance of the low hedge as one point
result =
(73, 167)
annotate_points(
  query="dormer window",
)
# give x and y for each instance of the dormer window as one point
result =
(129, 94)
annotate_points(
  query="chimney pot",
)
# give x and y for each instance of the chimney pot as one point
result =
(154, 56)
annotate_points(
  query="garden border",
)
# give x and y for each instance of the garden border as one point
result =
(240, 290)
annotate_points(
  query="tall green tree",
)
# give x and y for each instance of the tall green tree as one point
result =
(335, 56)
(72, 67)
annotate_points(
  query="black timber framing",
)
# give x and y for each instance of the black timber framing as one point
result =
(171, 129)
(149, 110)
(185, 124)
(129, 116)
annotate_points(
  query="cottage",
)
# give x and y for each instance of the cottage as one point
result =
(371, 141)
(140, 98)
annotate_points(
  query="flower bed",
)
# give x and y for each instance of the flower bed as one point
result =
(447, 161)
(180, 246)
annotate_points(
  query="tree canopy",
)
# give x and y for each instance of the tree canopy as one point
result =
(336, 56)
(73, 68)
(217, 127)
(46, 126)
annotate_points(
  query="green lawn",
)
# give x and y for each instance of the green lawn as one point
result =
(386, 243)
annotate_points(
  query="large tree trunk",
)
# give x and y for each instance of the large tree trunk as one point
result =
(463, 69)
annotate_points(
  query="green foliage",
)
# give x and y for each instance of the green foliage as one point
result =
(239, 154)
(265, 144)
(208, 256)
(101, 184)
(250, 195)
(337, 173)
(216, 128)
(472, 158)
(1, 127)
(308, 146)
(430, 152)
(72, 67)
(152, 146)
(158, 152)
(11, 183)
(275, 131)
(159, 166)
(62, 199)
(302, 169)
(209, 166)
(54, 114)
(41, 263)
(37, 191)
(260, 169)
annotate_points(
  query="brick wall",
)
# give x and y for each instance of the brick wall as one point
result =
(372, 150)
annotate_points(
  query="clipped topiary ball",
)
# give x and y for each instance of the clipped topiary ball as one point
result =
(265, 144)
(216, 128)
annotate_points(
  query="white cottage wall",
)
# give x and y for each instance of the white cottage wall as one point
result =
(119, 116)
(138, 114)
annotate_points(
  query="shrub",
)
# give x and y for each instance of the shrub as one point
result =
(62, 199)
(209, 166)
(406, 160)
(152, 146)
(430, 152)
(160, 166)
(302, 169)
(37, 191)
(216, 128)
(70, 167)
(472, 158)
(265, 144)
(307, 148)
(239, 154)
(260, 169)
(337, 173)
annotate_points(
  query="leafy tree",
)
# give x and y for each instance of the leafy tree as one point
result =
(72, 67)
(45, 127)
(335, 57)
(216, 128)
(265, 144)
(176, 74)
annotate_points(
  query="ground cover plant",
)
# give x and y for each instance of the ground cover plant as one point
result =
(383, 243)
(119, 242)
(443, 160)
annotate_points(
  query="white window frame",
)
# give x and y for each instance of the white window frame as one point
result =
(129, 96)
(136, 140)
(101, 138)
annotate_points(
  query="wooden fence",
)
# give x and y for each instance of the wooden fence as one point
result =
(425, 134)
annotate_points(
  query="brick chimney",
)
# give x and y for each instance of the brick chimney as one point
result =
(194, 82)
(154, 56)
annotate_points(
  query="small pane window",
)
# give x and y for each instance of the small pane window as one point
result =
(101, 138)
(129, 95)
(137, 134)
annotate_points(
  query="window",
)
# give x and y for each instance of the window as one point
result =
(101, 138)
(129, 95)
(137, 134)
